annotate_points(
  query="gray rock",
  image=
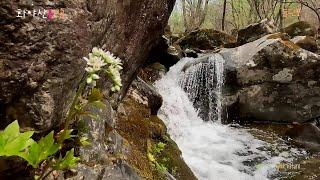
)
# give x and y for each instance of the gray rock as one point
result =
(121, 171)
(41, 61)
(41, 66)
(152, 98)
(284, 76)
(278, 83)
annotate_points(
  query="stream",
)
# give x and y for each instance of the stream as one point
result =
(213, 150)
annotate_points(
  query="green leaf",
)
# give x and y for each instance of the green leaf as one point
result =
(41, 151)
(69, 161)
(12, 142)
(84, 141)
(159, 147)
(12, 130)
(18, 144)
(89, 114)
(62, 136)
(98, 104)
(151, 157)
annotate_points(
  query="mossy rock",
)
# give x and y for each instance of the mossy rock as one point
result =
(254, 31)
(171, 158)
(300, 28)
(143, 131)
(308, 43)
(206, 39)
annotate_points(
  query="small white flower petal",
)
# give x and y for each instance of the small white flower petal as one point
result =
(89, 69)
(89, 80)
(86, 59)
(95, 76)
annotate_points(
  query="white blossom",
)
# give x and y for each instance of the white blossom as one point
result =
(97, 60)
(96, 63)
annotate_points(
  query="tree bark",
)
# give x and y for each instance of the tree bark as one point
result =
(224, 14)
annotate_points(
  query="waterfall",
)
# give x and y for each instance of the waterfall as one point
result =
(203, 83)
(212, 150)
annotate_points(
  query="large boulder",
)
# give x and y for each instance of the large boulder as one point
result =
(300, 28)
(205, 39)
(40, 60)
(277, 81)
(41, 67)
(306, 42)
(255, 31)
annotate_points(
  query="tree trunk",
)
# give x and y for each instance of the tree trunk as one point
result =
(185, 19)
(281, 15)
(224, 14)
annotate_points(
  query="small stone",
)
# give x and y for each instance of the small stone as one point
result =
(284, 76)
(312, 83)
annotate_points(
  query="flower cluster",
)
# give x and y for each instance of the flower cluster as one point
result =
(97, 60)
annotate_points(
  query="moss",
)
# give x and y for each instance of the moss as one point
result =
(300, 28)
(290, 45)
(206, 39)
(171, 158)
(143, 132)
(275, 36)
(284, 40)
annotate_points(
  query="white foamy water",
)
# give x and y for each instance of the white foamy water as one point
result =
(214, 151)
(203, 82)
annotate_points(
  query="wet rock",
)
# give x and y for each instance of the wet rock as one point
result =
(146, 94)
(270, 79)
(104, 157)
(255, 31)
(300, 28)
(205, 39)
(307, 135)
(191, 53)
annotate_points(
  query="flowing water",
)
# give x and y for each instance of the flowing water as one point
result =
(212, 150)
(203, 83)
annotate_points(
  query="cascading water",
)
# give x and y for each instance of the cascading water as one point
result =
(203, 83)
(212, 150)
